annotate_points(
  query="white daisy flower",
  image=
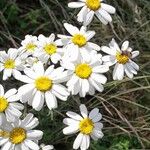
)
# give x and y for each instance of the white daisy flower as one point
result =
(48, 49)
(86, 76)
(29, 45)
(77, 44)
(19, 134)
(91, 7)
(46, 147)
(10, 63)
(122, 58)
(9, 106)
(43, 85)
(87, 125)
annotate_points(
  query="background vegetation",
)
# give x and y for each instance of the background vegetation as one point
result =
(125, 105)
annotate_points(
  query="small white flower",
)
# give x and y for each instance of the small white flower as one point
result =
(19, 134)
(43, 86)
(122, 58)
(77, 44)
(91, 7)
(10, 63)
(86, 76)
(30, 61)
(9, 106)
(46, 147)
(29, 45)
(48, 49)
(87, 125)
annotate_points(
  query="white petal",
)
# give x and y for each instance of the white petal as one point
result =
(125, 45)
(38, 101)
(25, 79)
(27, 119)
(93, 113)
(88, 18)
(7, 73)
(97, 86)
(108, 8)
(83, 111)
(105, 14)
(3, 141)
(71, 29)
(60, 89)
(49, 70)
(135, 54)
(32, 145)
(10, 93)
(24, 147)
(98, 133)
(38, 68)
(70, 122)
(34, 134)
(1, 90)
(108, 50)
(76, 4)
(134, 65)
(128, 72)
(85, 87)
(118, 72)
(2, 118)
(93, 46)
(97, 118)
(30, 73)
(78, 141)
(82, 14)
(102, 19)
(100, 69)
(83, 145)
(99, 78)
(23, 90)
(70, 130)
(74, 115)
(7, 146)
(51, 100)
(90, 34)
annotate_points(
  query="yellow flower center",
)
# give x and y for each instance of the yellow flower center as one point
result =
(43, 84)
(4, 134)
(50, 49)
(30, 47)
(86, 126)
(3, 104)
(9, 64)
(93, 4)
(79, 40)
(122, 58)
(83, 71)
(17, 135)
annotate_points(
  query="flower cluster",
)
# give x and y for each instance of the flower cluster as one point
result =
(53, 68)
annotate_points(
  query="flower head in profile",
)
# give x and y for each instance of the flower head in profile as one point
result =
(10, 63)
(87, 124)
(43, 86)
(48, 49)
(77, 44)
(9, 105)
(85, 76)
(91, 8)
(29, 45)
(19, 134)
(122, 58)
